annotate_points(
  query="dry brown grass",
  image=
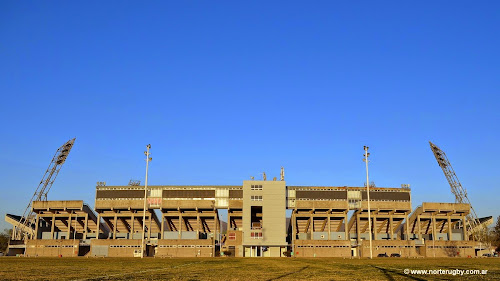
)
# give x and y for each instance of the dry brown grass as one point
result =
(12, 268)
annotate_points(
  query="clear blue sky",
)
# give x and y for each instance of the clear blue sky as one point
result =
(226, 90)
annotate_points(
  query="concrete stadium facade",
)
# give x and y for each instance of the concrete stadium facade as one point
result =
(324, 222)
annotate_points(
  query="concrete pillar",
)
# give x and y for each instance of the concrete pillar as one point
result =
(433, 221)
(294, 230)
(132, 226)
(345, 226)
(407, 227)
(198, 220)
(86, 226)
(419, 228)
(358, 232)
(114, 225)
(449, 228)
(162, 225)
(150, 222)
(311, 225)
(391, 231)
(328, 224)
(36, 226)
(180, 223)
(69, 226)
(52, 226)
(466, 236)
(98, 225)
(374, 226)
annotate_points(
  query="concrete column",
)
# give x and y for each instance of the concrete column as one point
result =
(374, 226)
(114, 225)
(98, 225)
(150, 221)
(407, 227)
(449, 228)
(52, 226)
(36, 226)
(86, 226)
(345, 227)
(311, 226)
(466, 236)
(391, 231)
(69, 226)
(180, 224)
(132, 226)
(328, 224)
(419, 228)
(198, 220)
(433, 221)
(358, 233)
(162, 225)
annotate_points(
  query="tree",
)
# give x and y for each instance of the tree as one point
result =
(4, 240)
(496, 235)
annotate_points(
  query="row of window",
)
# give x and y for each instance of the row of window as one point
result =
(256, 197)
(256, 235)
(450, 247)
(125, 246)
(185, 246)
(256, 187)
(391, 247)
(53, 246)
(232, 236)
(324, 246)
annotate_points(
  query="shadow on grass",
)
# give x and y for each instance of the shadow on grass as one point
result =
(387, 273)
(289, 273)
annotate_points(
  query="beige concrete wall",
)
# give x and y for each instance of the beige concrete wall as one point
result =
(185, 248)
(274, 212)
(67, 204)
(52, 248)
(402, 247)
(450, 248)
(118, 247)
(322, 248)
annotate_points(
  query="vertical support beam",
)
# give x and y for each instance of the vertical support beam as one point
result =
(358, 232)
(52, 227)
(86, 226)
(407, 227)
(198, 220)
(150, 222)
(419, 225)
(449, 227)
(433, 221)
(36, 226)
(466, 235)
(345, 226)
(328, 224)
(180, 223)
(114, 225)
(311, 225)
(132, 226)
(162, 225)
(391, 231)
(69, 226)
(373, 232)
(294, 229)
(98, 225)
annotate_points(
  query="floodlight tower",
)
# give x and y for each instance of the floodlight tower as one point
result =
(368, 198)
(25, 229)
(148, 147)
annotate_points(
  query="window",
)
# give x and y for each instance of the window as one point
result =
(256, 187)
(232, 236)
(256, 197)
(256, 235)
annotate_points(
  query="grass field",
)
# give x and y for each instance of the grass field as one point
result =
(15, 268)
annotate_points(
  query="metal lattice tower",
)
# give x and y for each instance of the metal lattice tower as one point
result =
(25, 227)
(473, 225)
